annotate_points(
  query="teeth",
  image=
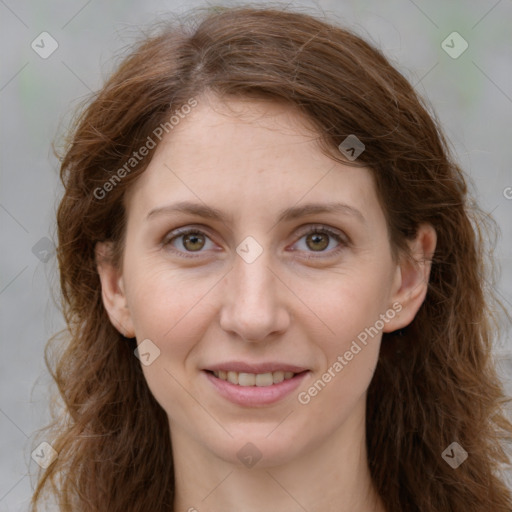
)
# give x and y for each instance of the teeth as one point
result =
(233, 377)
(246, 379)
(254, 379)
(264, 379)
(278, 377)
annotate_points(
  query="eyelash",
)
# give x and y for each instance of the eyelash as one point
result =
(343, 241)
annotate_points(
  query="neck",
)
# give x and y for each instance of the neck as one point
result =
(330, 476)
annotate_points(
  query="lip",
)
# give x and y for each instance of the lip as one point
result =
(241, 367)
(254, 396)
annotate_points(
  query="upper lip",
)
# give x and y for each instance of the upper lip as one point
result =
(241, 367)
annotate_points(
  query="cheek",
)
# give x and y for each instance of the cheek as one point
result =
(170, 306)
(347, 305)
(337, 395)
(348, 359)
(350, 310)
(173, 312)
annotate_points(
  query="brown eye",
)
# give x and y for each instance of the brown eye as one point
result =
(317, 241)
(193, 241)
(187, 241)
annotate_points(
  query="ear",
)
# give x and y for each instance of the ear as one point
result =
(411, 280)
(112, 290)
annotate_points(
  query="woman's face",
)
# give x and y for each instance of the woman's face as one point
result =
(271, 283)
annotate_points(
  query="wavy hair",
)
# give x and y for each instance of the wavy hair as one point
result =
(435, 381)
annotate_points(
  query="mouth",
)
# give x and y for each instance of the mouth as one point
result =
(255, 386)
(246, 379)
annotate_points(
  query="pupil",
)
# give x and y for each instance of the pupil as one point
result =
(317, 238)
(191, 238)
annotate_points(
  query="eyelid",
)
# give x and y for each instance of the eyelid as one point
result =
(308, 228)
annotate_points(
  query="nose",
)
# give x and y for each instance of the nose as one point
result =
(253, 307)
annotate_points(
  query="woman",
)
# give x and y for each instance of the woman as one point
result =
(273, 285)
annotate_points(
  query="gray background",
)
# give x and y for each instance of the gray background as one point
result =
(472, 96)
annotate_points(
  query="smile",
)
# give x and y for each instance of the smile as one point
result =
(254, 379)
(254, 389)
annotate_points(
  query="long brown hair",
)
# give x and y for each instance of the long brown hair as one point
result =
(434, 384)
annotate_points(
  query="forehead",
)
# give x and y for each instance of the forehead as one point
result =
(247, 154)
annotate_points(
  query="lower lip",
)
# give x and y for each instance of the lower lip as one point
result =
(252, 396)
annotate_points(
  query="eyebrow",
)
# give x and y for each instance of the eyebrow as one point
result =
(287, 214)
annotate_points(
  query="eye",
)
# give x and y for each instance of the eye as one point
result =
(189, 240)
(186, 241)
(318, 239)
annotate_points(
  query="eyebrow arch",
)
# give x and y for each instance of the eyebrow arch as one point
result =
(287, 214)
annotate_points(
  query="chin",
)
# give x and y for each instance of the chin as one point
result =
(259, 446)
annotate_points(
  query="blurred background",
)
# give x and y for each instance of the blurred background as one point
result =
(457, 54)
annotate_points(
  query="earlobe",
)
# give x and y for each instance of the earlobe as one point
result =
(113, 290)
(412, 278)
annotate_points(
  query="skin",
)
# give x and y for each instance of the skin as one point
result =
(250, 159)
